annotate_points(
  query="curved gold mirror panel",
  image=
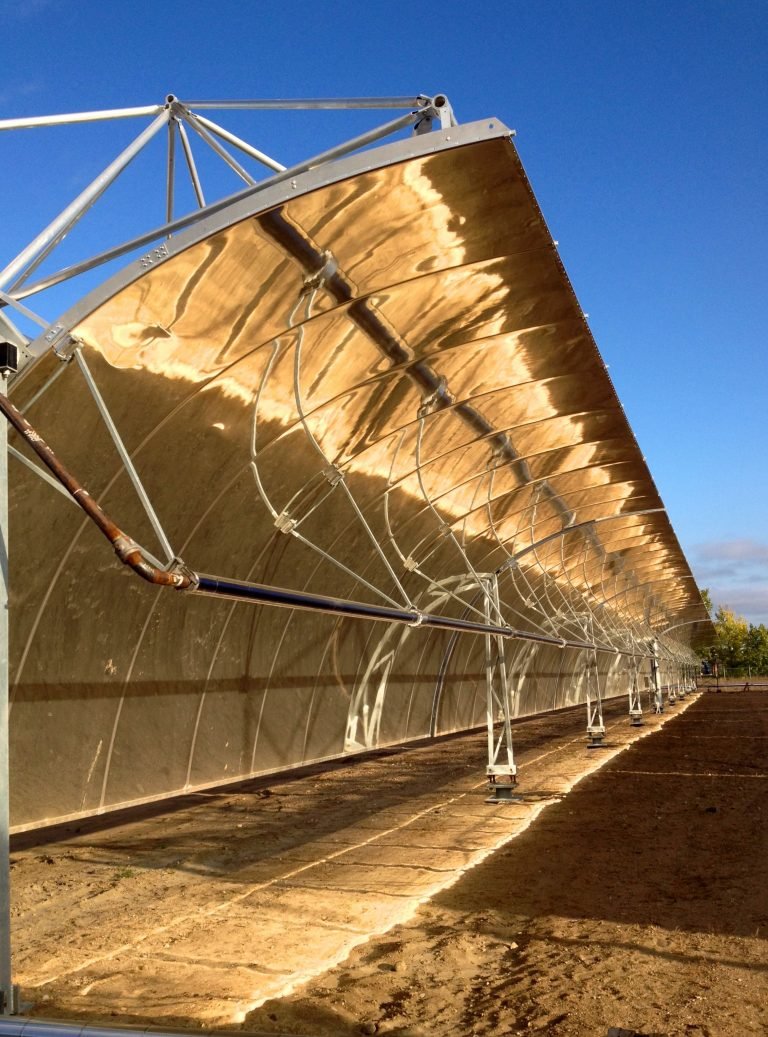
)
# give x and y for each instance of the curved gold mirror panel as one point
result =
(379, 386)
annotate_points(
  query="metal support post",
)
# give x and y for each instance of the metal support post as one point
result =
(501, 770)
(635, 704)
(8, 992)
(672, 690)
(658, 698)
(595, 725)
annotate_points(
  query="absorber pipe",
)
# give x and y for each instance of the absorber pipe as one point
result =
(262, 594)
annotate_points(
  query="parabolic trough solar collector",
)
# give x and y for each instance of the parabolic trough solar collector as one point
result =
(372, 381)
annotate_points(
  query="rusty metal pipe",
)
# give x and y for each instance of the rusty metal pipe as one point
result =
(126, 549)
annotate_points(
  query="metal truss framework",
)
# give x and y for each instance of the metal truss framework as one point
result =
(563, 588)
(177, 118)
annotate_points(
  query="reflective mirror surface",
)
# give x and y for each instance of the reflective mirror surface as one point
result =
(381, 388)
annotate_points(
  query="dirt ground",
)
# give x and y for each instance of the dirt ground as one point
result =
(627, 888)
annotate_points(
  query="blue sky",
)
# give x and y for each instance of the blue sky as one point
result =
(642, 126)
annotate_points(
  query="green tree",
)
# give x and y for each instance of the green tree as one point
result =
(740, 647)
(756, 650)
(731, 639)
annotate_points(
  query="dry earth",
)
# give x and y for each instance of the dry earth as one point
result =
(628, 888)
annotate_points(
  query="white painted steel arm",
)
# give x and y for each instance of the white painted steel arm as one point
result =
(9, 300)
(190, 159)
(125, 457)
(210, 140)
(326, 103)
(170, 170)
(33, 121)
(55, 231)
(248, 149)
(185, 221)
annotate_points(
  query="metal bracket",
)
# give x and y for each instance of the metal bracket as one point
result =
(325, 273)
(503, 791)
(285, 523)
(439, 111)
(10, 1000)
(333, 475)
(9, 358)
(436, 400)
(66, 347)
(178, 567)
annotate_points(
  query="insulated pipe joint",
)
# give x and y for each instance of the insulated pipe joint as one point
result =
(130, 553)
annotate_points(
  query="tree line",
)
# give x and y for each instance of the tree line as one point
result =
(741, 648)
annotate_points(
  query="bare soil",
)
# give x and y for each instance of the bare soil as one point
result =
(628, 887)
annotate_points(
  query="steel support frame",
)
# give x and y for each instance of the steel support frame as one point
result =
(182, 578)
(167, 229)
(424, 111)
(501, 769)
(8, 991)
(125, 457)
(657, 693)
(30, 257)
(594, 700)
(593, 695)
(635, 703)
(671, 690)
(238, 142)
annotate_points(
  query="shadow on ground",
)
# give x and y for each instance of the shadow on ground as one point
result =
(670, 833)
